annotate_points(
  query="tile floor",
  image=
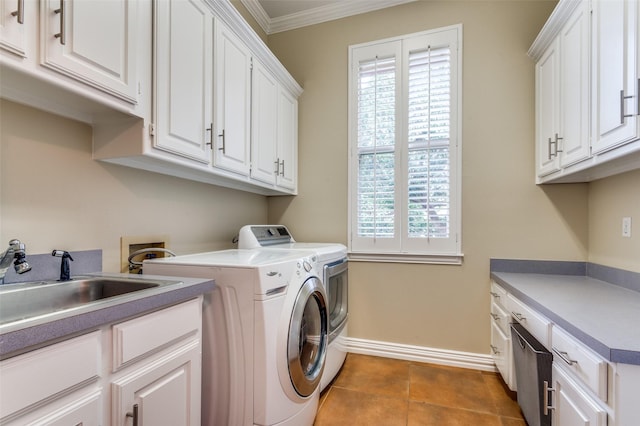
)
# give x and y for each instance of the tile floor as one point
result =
(380, 391)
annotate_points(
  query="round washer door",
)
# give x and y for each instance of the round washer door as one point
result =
(307, 340)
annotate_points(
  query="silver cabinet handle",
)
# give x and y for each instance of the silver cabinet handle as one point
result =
(496, 317)
(495, 350)
(622, 114)
(518, 316)
(61, 35)
(555, 146)
(20, 12)
(277, 163)
(134, 415)
(545, 390)
(494, 294)
(564, 356)
(222, 148)
(281, 165)
(210, 130)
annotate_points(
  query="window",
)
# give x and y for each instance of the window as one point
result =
(404, 145)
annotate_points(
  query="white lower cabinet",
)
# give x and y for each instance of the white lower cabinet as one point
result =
(501, 352)
(74, 381)
(163, 392)
(572, 405)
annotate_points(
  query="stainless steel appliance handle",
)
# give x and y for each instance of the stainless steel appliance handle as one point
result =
(334, 270)
(545, 391)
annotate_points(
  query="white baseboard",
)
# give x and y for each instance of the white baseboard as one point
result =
(450, 358)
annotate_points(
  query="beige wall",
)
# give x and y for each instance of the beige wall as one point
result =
(54, 196)
(505, 215)
(610, 200)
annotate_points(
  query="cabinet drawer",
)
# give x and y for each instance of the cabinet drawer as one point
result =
(536, 324)
(140, 336)
(501, 318)
(498, 295)
(48, 371)
(584, 363)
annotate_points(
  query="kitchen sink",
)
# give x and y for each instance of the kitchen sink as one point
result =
(28, 300)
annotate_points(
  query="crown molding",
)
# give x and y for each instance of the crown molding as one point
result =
(316, 15)
(257, 11)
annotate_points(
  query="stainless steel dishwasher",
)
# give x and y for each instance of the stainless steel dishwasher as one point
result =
(533, 375)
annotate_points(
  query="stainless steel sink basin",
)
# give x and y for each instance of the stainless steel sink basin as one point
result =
(21, 301)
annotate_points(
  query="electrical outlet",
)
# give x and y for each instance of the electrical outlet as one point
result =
(626, 227)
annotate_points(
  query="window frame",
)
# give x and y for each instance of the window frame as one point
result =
(400, 248)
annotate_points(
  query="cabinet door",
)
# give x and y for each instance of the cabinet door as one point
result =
(264, 125)
(184, 73)
(93, 42)
(573, 407)
(233, 102)
(16, 20)
(615, 84)
(501, 352)
(574, 86)
(547, 110)
(164, 392)
(287, 140)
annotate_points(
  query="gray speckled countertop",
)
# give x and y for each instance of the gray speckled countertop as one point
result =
(601, 315)
(35, 334)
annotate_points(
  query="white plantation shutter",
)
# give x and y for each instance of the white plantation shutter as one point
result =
(376, 147)
(428, 143)
(404, 143)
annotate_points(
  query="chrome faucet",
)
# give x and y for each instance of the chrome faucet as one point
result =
(16, 254)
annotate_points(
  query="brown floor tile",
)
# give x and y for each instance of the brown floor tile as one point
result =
(507, 421)
(421, 414)
(505, 405)
(383, 376)
(352, 408)
(450, 387)
(381, 391)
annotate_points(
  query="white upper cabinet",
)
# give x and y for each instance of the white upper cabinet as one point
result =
(574, 86)
(562, 96)
(287, 170)
(93, 42)
(274, 131)
(615, 76)
(233, 102)
(587, 91)
(17, 18)
(264, 125)
(547, 110)
(183, 52)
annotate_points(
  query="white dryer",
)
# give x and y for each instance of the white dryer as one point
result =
(265, 334)
(332, 261)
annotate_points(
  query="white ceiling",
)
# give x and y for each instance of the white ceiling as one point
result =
(282, 15)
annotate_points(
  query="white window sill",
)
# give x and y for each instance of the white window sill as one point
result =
(407, 258)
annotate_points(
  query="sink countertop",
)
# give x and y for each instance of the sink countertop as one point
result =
(30, 334)
(601, 315)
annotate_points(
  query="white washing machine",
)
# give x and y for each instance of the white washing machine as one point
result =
(332, 261)
(265, 334)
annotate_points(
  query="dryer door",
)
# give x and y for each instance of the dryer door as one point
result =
(307, 340)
